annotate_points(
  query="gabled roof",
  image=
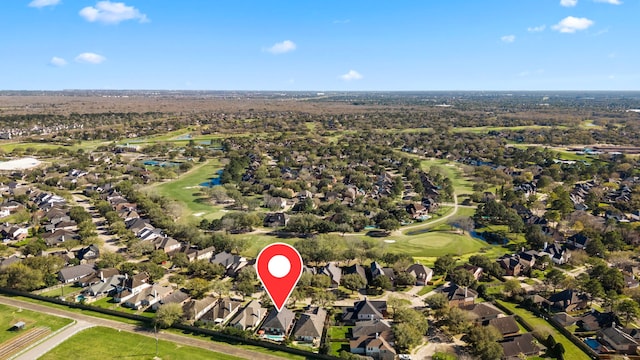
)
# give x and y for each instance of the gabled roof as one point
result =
(506, 325)
(370, 327)
(455, 292)
(311, 324)
(77, 271)
(420, 271)
(617, 336)
(250, 316)
(356, 269)
(483, 311)
(333, 271)
(279, 319)
(516, 345)
(368, 307)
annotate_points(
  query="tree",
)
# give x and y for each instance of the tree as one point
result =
(437, 301)
(222, 288)
(158, 257)
(444, 264)
(109, 259)
(456, 320)
(463, 223)
(462, 277)
(403, 278)
(382, 282)
(554, 277)
(180, 260)
(197, 287)
(595, 247)
(396, 303)
(483, 341)
(407, 336)
(390, 224)
(353, 282)
(594, 288)
(21, 277)
(404, 314)
(535, 237)
(168, 314)
(512, 287)
(628, 309)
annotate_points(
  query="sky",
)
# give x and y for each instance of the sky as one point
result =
(383, 45)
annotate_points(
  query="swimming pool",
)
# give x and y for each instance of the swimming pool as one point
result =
(593, 343)
(274, 337)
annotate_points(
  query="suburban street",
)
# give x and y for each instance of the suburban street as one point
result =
(86, 321)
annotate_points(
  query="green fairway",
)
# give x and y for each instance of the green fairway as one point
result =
(571, 350)
(10, 315)
(452, 170)
(436, 243)
(186, 190)
(484, 129)
(105, 343)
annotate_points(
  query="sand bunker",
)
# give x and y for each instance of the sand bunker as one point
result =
(19, 164)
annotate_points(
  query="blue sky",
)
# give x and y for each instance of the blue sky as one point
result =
(320, 45)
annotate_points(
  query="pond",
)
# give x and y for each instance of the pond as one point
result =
(214, 181)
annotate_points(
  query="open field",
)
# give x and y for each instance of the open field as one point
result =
(10, 315)
(571, 350)
(186, 188)
(105, 343)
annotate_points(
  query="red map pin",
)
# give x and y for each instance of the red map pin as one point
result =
(279, 267)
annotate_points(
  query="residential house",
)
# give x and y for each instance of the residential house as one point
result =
(524, 344)
(249, 317)
(460, 296)
(506, 325)
(475, 271)
(595, 320)
(11, 206)
(564, 319)
(74, 273)
(558, 254)
(278, 323)
(90, 252)
(167, 244)
(484, 311)
(417, 211)
(131, 286)
(275, 202)
(579, 241)
(231, 263)
(148, 296)
(618, 340)
(568, 300)
(310, 326)
(371, 327)
(5, 262)
(13, 232)
(334, 272)
(105, 287)
(365, 310)
(193, 253)
(221, 312)
(193, 310)
(356, 269)
(176, 297)
(58, 237)
(511, 265)
(376, 347)
(278, 219)
(422, 273)
(378, 270)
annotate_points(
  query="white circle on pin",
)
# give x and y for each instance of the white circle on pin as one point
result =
(279, 266)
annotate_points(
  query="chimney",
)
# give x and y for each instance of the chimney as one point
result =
(545, 245)
(101, 275)
(377, 335)
(466, 289)
(155, 293)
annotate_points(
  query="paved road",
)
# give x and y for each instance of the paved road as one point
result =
(48, 344)
(180, 339)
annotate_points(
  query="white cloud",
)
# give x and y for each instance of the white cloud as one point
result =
(108, 12)
(43, 3)
(540, 28)
(282, 47)
(57, 61)
(351, 75)
(508, 38)
(572, 24)
(90, 58)
(612, 2)
(568, 3)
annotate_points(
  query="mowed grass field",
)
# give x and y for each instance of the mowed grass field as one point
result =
(453, 171)
(571, 350)
(105, 343)
(186, 191)
(10, 315)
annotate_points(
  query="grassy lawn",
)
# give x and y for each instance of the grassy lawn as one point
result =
(485, 129)
(339, 332)
(185, 190)
(571, 350)
(105, 343)
(452, 170)
(63, 290)
(10, 315)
